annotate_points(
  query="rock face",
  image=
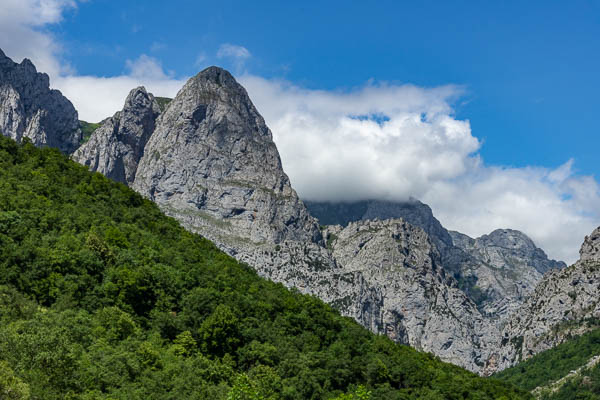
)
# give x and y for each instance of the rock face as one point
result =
(566, 302)
(30, 109)
(212, 156)
(590, 250)
(412, 211)
(116, 147)
(421, 304)
(505, 267)
(497, 271)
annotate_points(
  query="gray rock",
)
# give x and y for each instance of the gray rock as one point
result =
(30, 109)
(116, 147)
(421, 304)
(412, 211)
(212, 157)
(497, 271)
(505, 267)
(565, 303)
(590, 250)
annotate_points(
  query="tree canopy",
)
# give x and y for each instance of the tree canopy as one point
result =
(104, 297)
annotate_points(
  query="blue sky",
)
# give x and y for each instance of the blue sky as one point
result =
(487, 111)
(530, 69)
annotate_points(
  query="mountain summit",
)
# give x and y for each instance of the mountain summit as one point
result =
(116, 147)
(212, 156)
(30, 109)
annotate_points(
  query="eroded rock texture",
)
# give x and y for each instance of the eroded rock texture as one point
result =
(116, 147)
(30, 109)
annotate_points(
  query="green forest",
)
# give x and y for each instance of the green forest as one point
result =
(551, 365)
(104, 297)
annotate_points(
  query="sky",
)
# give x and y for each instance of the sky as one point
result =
(487, 111)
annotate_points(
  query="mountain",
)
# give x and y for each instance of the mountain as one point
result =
(212, 164)
(208, 159)
(115, 148)
(30, 109)
(421, 304)
(102, 296)
(412, 211)
(497, 271)
(565, 303)
(506, 266)
(212, 156)
(568, 371)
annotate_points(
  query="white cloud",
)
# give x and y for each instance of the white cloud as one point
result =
(238, 55)
(23, 23)
(148, 68)
(96, 98)
(228, 50)
(393, 142)
(376, 141)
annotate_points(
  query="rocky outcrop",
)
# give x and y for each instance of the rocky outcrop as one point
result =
(504, 267)
(590, 250)
(565, 303)
(212, 156)
(30, 109)
(497, 271)
(421, 304)
(412, 211)
(116, 147)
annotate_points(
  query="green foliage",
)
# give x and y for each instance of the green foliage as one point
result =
(11, 387)
(361, 393)
(585, 385)
(87, 128)
(551, 365)
(163, 102)
(104, 297)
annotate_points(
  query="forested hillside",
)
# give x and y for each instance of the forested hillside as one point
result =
(567, 371)
(104, 297)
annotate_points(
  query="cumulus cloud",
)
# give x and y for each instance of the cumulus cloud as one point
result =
(24, 31)
(233, 51)
(99, 97)
(377, 141)
(237, 54)
(394, 142)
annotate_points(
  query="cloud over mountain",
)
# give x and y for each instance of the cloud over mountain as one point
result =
(376, 141)
(392, 142)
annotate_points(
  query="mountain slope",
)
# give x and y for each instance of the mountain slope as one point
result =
(421, 303)
(115, 148)
(547, 372)
(497, 271)
(102, 296)
(30, 109)
(212, 164)
(565, 303)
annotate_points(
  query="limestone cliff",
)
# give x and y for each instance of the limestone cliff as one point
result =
(30, 109)
(116, 147)
(565, 303)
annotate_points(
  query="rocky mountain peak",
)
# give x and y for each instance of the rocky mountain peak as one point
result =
(590, 250)
(116, 147)
(29, 108)
(510, 243)
(212, 156)
(565, 303)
